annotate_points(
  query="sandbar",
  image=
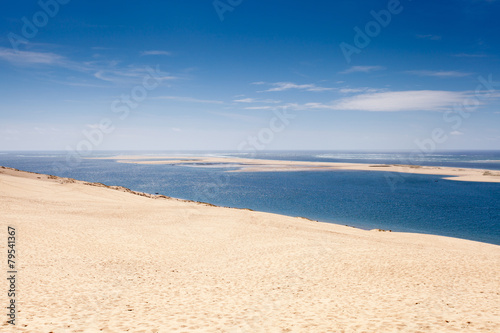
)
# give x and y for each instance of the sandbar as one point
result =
(262, 165)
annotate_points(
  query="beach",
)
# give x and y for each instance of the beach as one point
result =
(95, 258)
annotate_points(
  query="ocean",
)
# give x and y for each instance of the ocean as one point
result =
(363, 199)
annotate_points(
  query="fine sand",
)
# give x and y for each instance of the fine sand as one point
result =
(97, 259)
(393, 171)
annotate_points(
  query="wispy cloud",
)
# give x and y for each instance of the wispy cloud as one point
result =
(380, 100)
(259, 108)
(429, 37)
(256, 100)
(39, 59)
(439, 73)
(283, 86)
(127, 74)
(109, 71)
(393, 101)
(413, 100)
(188, 99)
(156, 52)
(362, 69)
(31, 58)
(358, 90)
(456, 133)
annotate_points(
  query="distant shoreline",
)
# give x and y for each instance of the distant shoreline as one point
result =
(265, 165)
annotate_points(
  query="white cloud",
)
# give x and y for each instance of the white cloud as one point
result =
(358, 90)
(245, 100)
(28, 57)
(282, 86)
(374, 100)
(254, 100)
(439, 73)
(109, 71)
(259, 108)
(155, 52)
(362, 69)
(188, 99)
(127, 74)
(456, 133)
(100, 75)
(413, 100)
(313, 106)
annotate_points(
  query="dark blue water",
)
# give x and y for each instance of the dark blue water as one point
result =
(413, 203)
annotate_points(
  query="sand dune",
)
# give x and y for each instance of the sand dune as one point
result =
(97, 259)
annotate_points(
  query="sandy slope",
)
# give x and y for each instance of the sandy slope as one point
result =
(94, 259)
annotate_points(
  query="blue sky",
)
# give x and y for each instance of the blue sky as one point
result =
(246, 75)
